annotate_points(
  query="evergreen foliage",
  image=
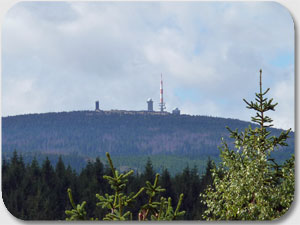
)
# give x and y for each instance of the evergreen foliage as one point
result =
(29, 195)
(119, 200)
(249, 184)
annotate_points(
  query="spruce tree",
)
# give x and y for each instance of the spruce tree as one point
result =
(49, 207)
(148, 173)
(206, 178)
(61, 186)
(195, 187)
(166, 183)
(31, 191)
(249, 184)
(60, 169)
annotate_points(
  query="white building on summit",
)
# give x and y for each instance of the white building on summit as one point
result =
(176, 111)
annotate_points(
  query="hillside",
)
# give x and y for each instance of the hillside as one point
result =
(83, 135)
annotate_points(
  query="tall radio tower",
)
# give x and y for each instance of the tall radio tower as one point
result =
(161, 103)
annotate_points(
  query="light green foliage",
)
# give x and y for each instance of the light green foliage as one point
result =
(78, 212)
(249, 184)
(161, 210)
(118, 203)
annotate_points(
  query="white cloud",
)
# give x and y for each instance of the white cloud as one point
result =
(283, 93)
(76, 52)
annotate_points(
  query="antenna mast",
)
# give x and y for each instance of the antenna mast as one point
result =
(161, 103)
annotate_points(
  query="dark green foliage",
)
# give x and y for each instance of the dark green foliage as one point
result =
(166, 183)
(149, 173)
(15, 171)
(189, 183)
(38, 192)
(34, 192)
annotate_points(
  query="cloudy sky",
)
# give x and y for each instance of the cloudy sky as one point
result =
(63, 56)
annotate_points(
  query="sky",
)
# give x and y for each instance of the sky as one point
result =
(63, 56)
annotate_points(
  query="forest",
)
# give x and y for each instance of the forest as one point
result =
(249, 182)
(39, 192)
(81, 136)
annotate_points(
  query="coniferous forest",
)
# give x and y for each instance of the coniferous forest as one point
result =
(39, 192)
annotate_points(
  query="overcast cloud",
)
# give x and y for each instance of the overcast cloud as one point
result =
(63, 56)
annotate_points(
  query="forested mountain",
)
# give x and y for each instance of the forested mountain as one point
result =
(170, 141)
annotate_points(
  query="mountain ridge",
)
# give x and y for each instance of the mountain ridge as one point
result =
(134, 134)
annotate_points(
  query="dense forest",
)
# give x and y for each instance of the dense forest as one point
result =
(39, 192)
(173, 141)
